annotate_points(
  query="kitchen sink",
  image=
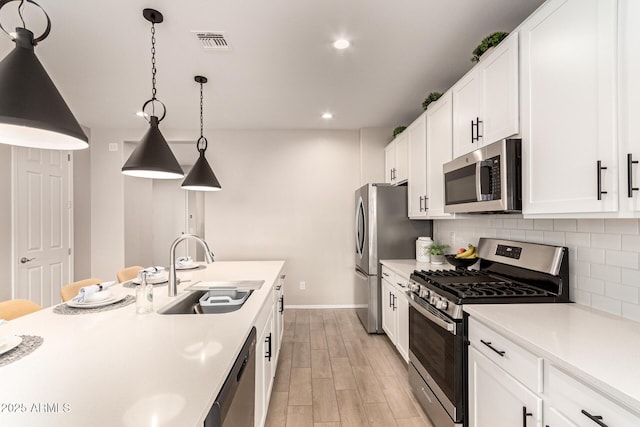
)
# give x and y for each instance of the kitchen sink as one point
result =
(219, 300)
(206, 285)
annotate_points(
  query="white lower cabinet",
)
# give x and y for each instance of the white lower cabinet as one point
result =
(576, 404)
(497, 399)
(511, 386)
(395, 311)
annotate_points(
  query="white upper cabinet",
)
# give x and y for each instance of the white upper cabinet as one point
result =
(439, 149)
(396, 155)
(568, 70)
(629, 102)
(417, 182)
(485, 100)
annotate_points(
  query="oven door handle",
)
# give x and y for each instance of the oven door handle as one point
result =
(448, 326)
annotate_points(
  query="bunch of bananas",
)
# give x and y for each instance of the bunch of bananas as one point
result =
(469, 253)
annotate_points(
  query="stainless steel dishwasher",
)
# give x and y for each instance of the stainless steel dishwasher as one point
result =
(234, 406)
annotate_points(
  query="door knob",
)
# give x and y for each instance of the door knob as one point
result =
(25, 260)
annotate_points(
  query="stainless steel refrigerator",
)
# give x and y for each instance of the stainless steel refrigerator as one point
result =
(383, 231)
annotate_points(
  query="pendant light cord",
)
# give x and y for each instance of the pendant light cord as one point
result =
(201, 144)
(20, 7)
(153, 68)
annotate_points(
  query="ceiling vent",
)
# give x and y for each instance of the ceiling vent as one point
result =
(213, 40)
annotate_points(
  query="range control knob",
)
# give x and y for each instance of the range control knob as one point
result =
(424, 293)
(433, 300)
(442, 305)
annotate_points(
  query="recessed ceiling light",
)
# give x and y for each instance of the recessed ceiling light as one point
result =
(327, 116)
(341, 44)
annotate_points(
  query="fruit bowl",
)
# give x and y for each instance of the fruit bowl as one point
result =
(460, 263)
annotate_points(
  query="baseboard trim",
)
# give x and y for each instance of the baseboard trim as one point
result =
(311, 307)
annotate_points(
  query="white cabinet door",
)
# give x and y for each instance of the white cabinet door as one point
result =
(402, 157)
(568, 108)
(264, 377)
(417, 181)
(467, 106)
(439, 149)
(500, 92)
(389, 162)
(496, 399)
(552, 418)
(402, 313)
(629, 93)
(388, 313)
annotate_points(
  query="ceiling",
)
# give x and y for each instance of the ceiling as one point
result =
(282, 71)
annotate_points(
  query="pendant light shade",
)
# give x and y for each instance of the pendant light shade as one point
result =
(201, 176)
(152, 157)
(32, 111)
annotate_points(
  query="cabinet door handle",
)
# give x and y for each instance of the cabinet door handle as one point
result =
(268, 341)
(600, 169)
(595, 418)
(282, 304)
(473, 137)
(478, 123)
(488, 344)
(525, 414)
(630, 163)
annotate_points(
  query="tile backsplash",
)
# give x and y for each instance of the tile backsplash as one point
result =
(604, 261)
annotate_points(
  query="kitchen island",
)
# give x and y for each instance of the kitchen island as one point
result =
(117, 368)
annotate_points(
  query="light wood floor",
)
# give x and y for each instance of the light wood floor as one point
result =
(331, 373)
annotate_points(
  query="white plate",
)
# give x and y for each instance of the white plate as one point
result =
(95, 304)
(187, 266)
(9, 343)
(98, 296)
(154, 280)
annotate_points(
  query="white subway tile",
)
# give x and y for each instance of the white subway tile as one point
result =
(495, 223)
(605, 241)
(621, 292)
(595, 256)
(503, 234)
(518, 235)
(580, 297)
(534, 236)
(605, 272)
(624, 226)
(564, 224)
(631, 311)
(630, 277)
(578, 239)
(581, 268)
(553, 238)
(593, 286)
(622, 259)
(630, 243)
(510, 223)
(609, 305)
(543, 224)
(591, 225)
(525, 224)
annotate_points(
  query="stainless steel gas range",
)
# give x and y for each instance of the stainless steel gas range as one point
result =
(510, 272)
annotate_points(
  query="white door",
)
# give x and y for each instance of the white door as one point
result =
(417, 182)
(42, 213)
(439, 149)
(402, 305)
(389, 162)
(496, 399)
(568, 108)
(402, 158)
(388, 313)
(466, 113)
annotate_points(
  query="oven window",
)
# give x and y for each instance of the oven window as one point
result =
(460, 185)
(434, 348)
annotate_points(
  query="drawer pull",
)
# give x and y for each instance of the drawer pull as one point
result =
(488, 344)
(595, 418)
(525, 414)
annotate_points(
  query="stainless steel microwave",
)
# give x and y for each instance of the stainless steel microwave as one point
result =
(488, 179)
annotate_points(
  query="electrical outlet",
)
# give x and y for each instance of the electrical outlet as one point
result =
(303, 285)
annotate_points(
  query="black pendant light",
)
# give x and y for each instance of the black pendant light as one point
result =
(201, 177)
(32, 111)
(152, 157)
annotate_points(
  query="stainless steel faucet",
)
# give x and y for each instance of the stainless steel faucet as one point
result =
(208, 255)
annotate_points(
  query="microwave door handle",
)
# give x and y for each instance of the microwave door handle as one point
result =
(478, 181)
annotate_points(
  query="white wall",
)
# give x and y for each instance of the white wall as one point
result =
(372, 144)
(604, 258)
(286, 195)
(81, 245)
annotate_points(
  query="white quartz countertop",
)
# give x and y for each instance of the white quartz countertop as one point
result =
(600, 349)
(404, 267)
(117, 368)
